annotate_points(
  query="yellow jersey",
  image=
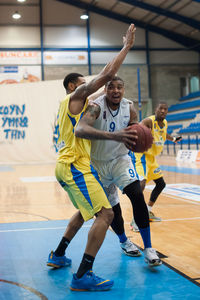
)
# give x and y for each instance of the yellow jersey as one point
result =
(159, 136)
(70, 147)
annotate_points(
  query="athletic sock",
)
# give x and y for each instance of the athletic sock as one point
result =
(149, 208)
(60, 251)
(86, 265)
(146, 236)
(122, 237)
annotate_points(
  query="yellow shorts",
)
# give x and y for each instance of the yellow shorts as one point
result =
(146, 166)
(80, 180)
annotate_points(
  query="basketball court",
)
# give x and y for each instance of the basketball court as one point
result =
(35, 212)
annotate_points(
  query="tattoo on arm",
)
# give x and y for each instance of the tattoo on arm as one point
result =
(91, 113)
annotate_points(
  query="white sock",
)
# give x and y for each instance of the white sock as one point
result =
(149, 208)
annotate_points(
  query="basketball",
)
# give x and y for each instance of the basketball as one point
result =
(144, 141)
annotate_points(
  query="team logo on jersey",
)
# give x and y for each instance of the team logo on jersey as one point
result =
(104, 115)
(156, 171)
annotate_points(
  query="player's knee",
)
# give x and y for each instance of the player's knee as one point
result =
(142, 184)
(160, 184)
(108, 215)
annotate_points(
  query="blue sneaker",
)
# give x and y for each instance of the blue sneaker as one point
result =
(90, 282)
(58, 261)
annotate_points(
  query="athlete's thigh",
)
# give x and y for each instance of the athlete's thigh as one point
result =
(123, 171)
(153, 168)
(85, 190)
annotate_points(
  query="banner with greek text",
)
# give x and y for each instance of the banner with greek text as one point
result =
(27, 116)
(28, 113)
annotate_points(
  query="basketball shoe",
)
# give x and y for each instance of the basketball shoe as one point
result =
(130, 249)
(58, 261)
(153, 218)
(134, 226)
(90, 282)
(151, 257)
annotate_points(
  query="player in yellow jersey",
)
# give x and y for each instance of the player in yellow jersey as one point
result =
(146, 165)
(76, 175)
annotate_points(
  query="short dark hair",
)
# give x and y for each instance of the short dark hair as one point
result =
(71, 77)
(162, 102)
(115, 78)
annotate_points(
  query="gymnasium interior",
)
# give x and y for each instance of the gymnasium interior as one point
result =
(41, 41)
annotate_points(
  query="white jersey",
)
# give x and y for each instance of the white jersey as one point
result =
(110, 120)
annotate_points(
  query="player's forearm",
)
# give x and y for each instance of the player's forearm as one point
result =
(111, 68)
(108, 72)
(169, 137)
(91, 133)
(174, 139)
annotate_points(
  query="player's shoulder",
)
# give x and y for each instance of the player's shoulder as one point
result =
(99, 100)
(125, 100)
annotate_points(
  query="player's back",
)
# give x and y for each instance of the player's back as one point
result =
(71, 148)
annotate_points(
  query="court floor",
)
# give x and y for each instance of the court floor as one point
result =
(33, 215)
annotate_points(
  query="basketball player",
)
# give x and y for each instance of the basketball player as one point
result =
(76, 175)
(146, 164)
(112, 113)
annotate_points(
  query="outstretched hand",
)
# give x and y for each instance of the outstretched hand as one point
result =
(129, 38)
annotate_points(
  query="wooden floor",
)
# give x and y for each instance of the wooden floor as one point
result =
(30, 193)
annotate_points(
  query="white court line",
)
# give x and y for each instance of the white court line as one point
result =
(35, 229)
(54, 228)
(181, 199)
(169, 220)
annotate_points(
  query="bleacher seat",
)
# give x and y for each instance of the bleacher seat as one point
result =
(190, 96)
(182, 116)
(171, 128)
(192, 128)
(185, 105)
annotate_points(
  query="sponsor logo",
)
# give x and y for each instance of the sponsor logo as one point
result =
(156, 171)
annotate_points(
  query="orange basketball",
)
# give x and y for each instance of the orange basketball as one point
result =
(145, 138)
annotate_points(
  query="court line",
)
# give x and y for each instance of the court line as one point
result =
(181, 199)
(38, 229)
(182, 219)
(64, 227)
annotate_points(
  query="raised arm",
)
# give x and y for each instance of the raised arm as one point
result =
(78, 97)
(86, 130)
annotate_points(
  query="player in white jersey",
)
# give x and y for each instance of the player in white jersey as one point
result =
(110, 113)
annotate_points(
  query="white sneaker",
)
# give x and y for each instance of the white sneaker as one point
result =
(153, 218)
(134, 226)
(130, 249)
(151, 257)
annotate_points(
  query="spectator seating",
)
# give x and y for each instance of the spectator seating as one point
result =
(184, 119)
(192, 128)
(182, 115)
(184, 105)
(190, 96)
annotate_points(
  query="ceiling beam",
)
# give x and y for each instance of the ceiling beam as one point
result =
(181, 39)
(160, 11)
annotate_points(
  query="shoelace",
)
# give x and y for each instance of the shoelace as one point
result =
(97, 279)
(152, 250)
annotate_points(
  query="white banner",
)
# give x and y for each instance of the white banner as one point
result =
(17, 74)
(65, 58)
(27, 117)
(187, 155)
(20, 57)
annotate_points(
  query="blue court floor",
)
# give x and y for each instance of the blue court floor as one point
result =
(24, 248)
